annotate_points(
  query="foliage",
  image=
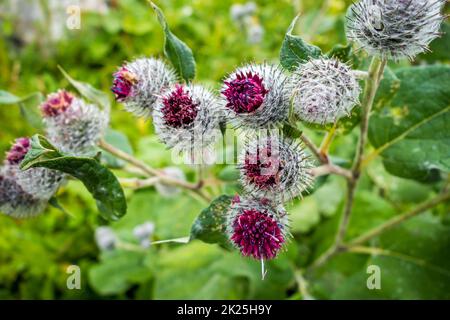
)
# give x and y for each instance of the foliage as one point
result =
(407, 164)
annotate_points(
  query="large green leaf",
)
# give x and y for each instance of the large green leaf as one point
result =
(100, 182)
(411, 131)
(179, 54)
(210, 225)
(28, 106)
(413, 260)
(295, 50)
(118, 271)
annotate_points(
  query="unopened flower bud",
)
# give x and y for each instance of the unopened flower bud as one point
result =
(138, 84)
(324, 90)
(394, 28)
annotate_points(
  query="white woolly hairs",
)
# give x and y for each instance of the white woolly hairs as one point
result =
(199, 134)
(394, 29)
(14, 200)
(153, 78)
(77, 129)
(324, 90)
(275, 107)
(288, 165)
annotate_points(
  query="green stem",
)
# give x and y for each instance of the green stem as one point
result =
(375, 73)
(399, 219)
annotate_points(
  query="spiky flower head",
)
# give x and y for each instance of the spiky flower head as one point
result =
(257, 228)
(73, 125)
(18, 151)
(324, 90)
(274, 167)
(256, 96)
(56, 103)
(187, 117)
(14, 200)
(41, 183)
(394, 29)
(138, 84)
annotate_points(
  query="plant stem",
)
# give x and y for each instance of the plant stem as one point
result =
(335, 249)
(376, 70)
(325, 145)
(331, 168)
(163, 178)
(375, 73)
(399, 219)
(314, 149)
(372, 83)
(136, 183)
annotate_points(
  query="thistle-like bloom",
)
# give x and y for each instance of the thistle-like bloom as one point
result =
(394, 29)
(138, 84)
(73, 125)
(256, 96)
(324, 90)
(257, 228)
(274, 167)
(18, 151)
(14, 201)
(187, 117)
(40, 183)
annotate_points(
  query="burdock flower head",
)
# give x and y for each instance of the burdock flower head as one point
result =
(73, 125)
(138, 84)
(40, 183)
(257, 228)
(18, 151)
(187, 117)
(394, 28)
(274, 167)
(256, 96)
(324, 90)
(14, 201)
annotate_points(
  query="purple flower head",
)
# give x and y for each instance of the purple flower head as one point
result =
(179, 110)
(262, 168)
(257, 234)
(123, 83)
(18, 151)
(56, 103)
(245, 93)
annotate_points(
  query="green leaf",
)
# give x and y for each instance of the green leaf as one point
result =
(28, 106)
(118, 271)
(295, 50)
(121, 142)
(411, 130)
(229, 174)
(210, 225)
(178, 53)
(99, 181)
(291, 131)
(89, 92)
(413, 259)
(341, 52)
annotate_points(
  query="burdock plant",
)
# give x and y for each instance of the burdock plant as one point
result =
(276, 105)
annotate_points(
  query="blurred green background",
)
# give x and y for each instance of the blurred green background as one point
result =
(34, 254)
